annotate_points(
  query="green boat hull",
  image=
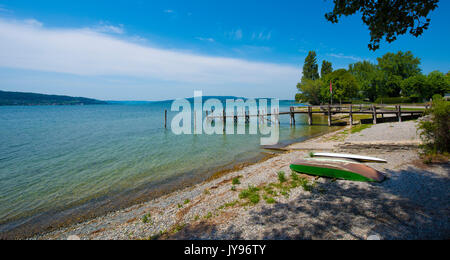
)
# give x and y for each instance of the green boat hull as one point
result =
(330, 173)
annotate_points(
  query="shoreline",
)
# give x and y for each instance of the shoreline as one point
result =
(209, 210)
(58, 219)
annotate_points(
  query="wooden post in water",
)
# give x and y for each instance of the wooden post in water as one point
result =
(374, 114)
(290, 116)
(278, 116)
(165, 119)
(351, 115)
(293, 115)
(310, 118)
(195, 122)
(329, 115)
(224, 118)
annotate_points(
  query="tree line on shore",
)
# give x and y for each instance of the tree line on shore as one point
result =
(395, 78)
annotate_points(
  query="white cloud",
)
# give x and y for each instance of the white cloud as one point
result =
(235, 34)
(262, 36)
(169, 11)
(342, 56)
(87, 52)
(33, 22)
(205, 39)
(106, 28)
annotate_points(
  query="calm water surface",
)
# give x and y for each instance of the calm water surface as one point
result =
(58, 163)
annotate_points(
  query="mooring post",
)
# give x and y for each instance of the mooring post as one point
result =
(278, 116)
(224, 118)
(329, 115)
(310, 119)
(290, 116)
(351, 115)
(195, 121)
(374, 111)
(165, 119)
(293, 115)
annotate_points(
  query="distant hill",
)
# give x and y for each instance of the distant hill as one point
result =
(31, 99)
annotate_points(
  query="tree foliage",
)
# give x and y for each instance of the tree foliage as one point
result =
(310, 68)
(344, 83)
(31, 99)
(439, 83)
(436, 131)
(416, 86)
(402, 64)
(311, 91)
(396, 76)
(387, 19)
(369, 78)
(327, 68)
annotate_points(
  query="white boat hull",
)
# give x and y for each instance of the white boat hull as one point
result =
(359, 158)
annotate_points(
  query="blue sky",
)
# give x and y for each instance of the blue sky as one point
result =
(153, 50)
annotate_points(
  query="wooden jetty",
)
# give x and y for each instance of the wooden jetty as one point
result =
(396, 111)
(351, 110)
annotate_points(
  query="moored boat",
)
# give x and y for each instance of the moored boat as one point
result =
(359, 158)
(337, 169)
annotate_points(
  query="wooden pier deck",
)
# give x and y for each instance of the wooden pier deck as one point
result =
(398, 111)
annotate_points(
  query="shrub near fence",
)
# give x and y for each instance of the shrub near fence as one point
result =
(436, 131)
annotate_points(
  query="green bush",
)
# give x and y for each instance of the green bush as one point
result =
(436, 132)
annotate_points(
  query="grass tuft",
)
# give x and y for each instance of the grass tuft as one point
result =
(251, 194)
(209, 215)
(147, 218)
(282, 177)
(360, 128)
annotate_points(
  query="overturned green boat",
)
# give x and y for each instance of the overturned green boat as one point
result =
(337, 169)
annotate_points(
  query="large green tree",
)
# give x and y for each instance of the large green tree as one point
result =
(396, 67)
(310, 91)
(417, 86)
(425, 87)
(386, 19)
(439, 84)
(402, 64)
(327, 68)
(310, 68)
(345, 85)
(369, 78)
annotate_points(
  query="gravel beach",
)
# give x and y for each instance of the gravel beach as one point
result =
(413, 203)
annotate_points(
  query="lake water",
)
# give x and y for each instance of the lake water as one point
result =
(60, 164)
